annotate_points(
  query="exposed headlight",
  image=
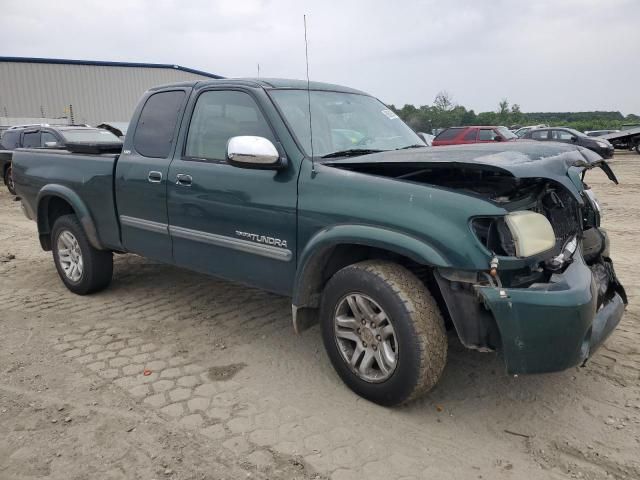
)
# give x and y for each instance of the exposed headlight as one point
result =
(603, 144)
(532, 233)
(594, 201)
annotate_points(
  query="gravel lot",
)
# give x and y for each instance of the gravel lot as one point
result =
(234, 393)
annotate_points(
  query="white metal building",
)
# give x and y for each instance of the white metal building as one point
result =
(86, 91)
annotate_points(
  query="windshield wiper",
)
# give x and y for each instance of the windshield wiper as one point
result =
(417, 145)
(352, 152)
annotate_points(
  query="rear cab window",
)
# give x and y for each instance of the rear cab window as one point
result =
(449, 133)
(11, 139)
(156, 126)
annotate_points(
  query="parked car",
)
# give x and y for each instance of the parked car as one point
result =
(627, 138)
(5, 170)
(598, 133)
(569, 135)
(49, 136)
(522, 130)
(385, 242)
(462, 135)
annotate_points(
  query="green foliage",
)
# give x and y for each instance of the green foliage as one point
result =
(446, 113)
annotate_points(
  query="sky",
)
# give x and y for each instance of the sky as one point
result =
(545, 55)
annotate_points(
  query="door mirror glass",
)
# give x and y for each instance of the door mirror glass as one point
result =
(252, 152)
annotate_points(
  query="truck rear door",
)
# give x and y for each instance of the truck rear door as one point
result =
(141, 174)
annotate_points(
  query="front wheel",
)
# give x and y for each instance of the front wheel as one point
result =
(8, 180)
(82, 268)
(383, 332)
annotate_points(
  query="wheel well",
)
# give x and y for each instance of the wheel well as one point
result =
(329, 261)
(49, 210)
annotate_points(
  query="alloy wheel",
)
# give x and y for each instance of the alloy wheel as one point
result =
(70, 256)
(365, 338)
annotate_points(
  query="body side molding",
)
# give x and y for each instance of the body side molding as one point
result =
(269, 251)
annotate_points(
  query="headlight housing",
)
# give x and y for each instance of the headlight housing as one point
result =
(593, 199)
(532, 233)
(517, 234)
(603, 144)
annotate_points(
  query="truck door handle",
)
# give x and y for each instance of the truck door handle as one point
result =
(155, 177)
(184, 180)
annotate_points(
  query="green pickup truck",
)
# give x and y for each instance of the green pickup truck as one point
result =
(321, 193)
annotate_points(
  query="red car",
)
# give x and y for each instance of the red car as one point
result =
(462, 135)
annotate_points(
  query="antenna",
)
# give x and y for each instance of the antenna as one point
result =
(258, 70)
(306, 55)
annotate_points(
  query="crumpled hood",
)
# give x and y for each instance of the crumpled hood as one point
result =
(522, 159)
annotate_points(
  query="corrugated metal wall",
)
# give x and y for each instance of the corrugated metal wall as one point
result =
(97, 93)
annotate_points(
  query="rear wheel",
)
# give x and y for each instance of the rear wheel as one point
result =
(383, 332)
(82, 268)
(8, 180)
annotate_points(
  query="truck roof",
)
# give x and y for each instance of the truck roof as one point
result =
(267, 83)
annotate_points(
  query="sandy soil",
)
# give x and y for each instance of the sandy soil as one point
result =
(233, 393)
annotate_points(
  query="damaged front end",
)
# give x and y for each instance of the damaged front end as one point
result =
(549, 295)
(544, 311)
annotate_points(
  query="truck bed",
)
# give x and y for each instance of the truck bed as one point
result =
(91, 177)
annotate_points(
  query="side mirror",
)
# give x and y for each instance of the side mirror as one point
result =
(253, 152)
(498, 138)
(574, 139)
(50, 144)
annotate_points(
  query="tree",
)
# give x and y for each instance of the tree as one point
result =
(516, 113)
(503, 108)
(443, 101)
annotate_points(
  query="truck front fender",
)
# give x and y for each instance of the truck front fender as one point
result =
(43, 200)
(308, 280)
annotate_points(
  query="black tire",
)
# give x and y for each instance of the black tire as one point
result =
(416, 319)
(8, 180)
(638, 148)
(97, 265)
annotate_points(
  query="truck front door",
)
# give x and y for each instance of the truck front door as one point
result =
(141, 175)
(231, 222)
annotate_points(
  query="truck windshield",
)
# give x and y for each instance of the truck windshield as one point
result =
(343, 122)
(89, 135)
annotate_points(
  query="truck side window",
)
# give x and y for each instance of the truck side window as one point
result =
(157, 124)
(487, 134)
(471, 135)
(31, 140)
(48, 137)
(218, 116)
(540, 134)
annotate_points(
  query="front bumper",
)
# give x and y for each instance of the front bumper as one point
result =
(553, 326)
(603, 152)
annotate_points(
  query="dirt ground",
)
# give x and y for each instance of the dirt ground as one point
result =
(234, 393)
